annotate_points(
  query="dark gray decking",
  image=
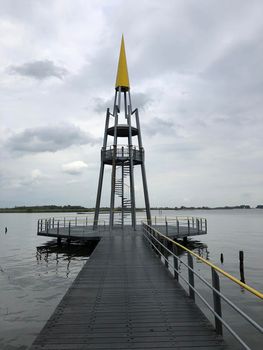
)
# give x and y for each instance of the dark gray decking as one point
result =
(124, 299)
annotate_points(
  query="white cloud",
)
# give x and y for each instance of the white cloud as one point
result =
(74, 168)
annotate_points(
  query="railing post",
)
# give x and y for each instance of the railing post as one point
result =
(205, 225)
(177, 225)
(193, 222)
(188, 226)
(64, 222)
(47, 225)
(165, 253)
(69, 225)
(191, 276)
(175, 251)
(157, 244)
(58, 228)
(151, 239)
(41, 224)
(86, 221)
(37, 225)
(197, 225)
(53, 222)
(166, 226)
(155, 220)
(217, 301)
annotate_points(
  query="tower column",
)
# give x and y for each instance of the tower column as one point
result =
(97, 207)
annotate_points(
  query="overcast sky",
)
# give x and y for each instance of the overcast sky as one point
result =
(196, 75)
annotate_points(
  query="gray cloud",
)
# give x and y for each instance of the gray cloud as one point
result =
(48, 139)
(39, 70)
(159, 126)
(139, 100)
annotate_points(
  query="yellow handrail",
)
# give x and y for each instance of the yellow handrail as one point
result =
(224, 273)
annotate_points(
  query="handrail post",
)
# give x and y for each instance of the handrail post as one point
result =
(69, 225)
(205, 225)
(175, 251)
(41, 224)
(37, 225)
(64, 222)
(217, 301)
(166, 226)
(53, 222)
(58, 228)
(160, 247)
(197, 225)
(165, 243)
(47, 225)
(151, 239)
(191, 276)
(188, 226)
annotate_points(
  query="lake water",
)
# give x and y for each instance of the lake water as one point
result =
(34, 274)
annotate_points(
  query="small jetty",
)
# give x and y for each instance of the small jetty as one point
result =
(82, 227)
(124, 299)
(129, 295)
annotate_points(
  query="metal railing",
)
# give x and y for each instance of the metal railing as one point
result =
(65, 225)
(182, 225)
(165, 247)
(179, 226)
(122, 153)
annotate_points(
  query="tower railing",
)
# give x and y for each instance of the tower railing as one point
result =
(122, 154)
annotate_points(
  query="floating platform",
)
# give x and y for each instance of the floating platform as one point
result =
(123, 298)
(81, 227)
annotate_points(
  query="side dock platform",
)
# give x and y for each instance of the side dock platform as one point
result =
(123, 298)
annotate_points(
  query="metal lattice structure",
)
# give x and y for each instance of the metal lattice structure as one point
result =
(122, 123)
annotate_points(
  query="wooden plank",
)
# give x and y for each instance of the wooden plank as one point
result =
(123, 298)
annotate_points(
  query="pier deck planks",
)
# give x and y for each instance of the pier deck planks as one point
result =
(123, 298)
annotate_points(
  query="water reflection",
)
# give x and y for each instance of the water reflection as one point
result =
(52, 252)
(196, 246)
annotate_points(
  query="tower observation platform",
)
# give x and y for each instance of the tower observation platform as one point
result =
(122, 124)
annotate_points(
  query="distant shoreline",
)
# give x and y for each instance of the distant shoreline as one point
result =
(80, 209)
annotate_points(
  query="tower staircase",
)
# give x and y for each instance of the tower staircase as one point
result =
(120, 186)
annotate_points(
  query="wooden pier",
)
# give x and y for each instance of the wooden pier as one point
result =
(123, 298)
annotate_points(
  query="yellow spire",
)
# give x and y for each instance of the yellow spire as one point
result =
(122, 79)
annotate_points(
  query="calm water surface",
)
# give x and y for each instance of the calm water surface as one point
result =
(34, 275)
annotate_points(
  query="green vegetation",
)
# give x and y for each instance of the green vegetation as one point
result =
(80, 209)
(46, 209)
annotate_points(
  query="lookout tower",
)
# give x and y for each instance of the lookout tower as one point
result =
(122, 150)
